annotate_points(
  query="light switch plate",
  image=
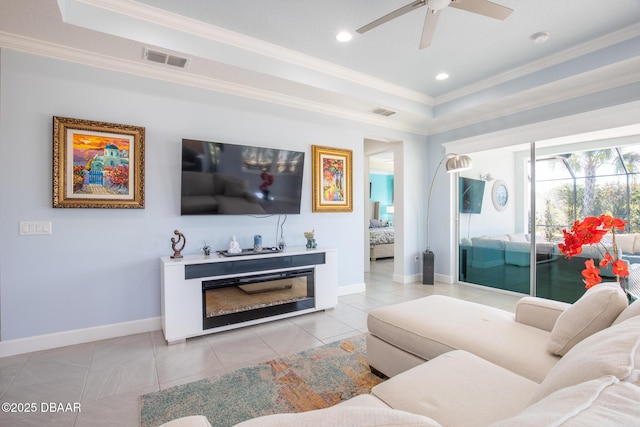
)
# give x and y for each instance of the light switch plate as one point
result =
(33, 228)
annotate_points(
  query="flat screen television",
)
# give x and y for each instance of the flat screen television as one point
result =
(471, 195)
(228, 179)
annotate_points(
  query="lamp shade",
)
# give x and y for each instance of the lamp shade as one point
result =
(458, 163)
(391, 209)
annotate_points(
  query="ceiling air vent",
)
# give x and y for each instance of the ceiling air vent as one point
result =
(165, 58)
(382, 112)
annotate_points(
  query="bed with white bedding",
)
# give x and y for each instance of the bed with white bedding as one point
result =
(381, 242)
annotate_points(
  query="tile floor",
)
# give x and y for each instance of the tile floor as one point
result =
(106, 377)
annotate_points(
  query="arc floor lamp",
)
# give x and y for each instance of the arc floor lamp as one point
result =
(455, 163)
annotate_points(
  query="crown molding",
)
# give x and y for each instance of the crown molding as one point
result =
(157, 72)
(585, 84)
(184, 24)
(551, 60)
(606, 118)
(599, 80)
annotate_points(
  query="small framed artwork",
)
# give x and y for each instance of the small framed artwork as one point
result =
(97, 164)
(332, 179)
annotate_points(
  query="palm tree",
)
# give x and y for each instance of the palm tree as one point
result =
(577, 201)
(588, 163)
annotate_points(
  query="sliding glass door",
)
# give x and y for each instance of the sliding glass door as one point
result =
(515, 202)
(494, 245)
(581, 180)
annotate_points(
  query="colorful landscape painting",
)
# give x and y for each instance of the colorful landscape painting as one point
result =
(333, 179)
(100, 164)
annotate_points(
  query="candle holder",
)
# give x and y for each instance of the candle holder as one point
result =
(257, 243)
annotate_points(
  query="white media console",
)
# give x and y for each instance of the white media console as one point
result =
(186, 281)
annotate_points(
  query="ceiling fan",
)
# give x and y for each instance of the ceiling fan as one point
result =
(434, 9)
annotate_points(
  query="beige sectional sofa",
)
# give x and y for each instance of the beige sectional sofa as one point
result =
(406, 335)
(457, 363)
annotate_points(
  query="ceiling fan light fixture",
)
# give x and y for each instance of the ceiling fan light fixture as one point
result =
(344, 36)
(438, 4)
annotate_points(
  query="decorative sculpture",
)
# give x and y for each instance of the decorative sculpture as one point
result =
(234, 246)
(311, 241)
(174, 243)
(206, 248)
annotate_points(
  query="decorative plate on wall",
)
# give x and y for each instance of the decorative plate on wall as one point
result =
(500, 195)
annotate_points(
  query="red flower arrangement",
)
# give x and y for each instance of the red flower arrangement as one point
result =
(590, 231)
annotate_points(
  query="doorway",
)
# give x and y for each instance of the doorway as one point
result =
(380, 207)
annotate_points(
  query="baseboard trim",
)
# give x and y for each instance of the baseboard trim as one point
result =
(410, 278)
(351, 289)
(78, 336)
(417, 278)
(444, 278)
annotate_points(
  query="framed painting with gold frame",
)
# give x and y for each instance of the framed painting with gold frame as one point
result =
(331, 179)
(97, 164)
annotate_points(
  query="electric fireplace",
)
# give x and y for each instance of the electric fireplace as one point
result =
(208, 294)
(230, 300)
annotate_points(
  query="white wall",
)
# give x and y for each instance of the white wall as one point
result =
(101, 266)
(491, 222)
(410, 194)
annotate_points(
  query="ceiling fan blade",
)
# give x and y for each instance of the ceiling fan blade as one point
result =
(429, 27)
(483, 7)
(388, 17)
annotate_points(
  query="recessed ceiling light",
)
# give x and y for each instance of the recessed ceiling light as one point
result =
(442, 76)
(540, 37)
(344, 36)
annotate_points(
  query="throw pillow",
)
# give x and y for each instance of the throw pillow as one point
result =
(602, 402)
(465, 241)
(612, 351)
(594, 311)
(632, 310)
(375, 223)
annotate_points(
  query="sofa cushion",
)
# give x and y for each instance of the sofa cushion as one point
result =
(594, 311)
(612, 351)
(517, 253)
(197, 183)
(625, 243)
(539, 312)
(518, 237)
(636, 244)
(190, 421)
(343, 416)
(632, 310)
(234, 187)
(368, 400)
(601, 402)
(488, 243)
(433, 325)
(458, 389)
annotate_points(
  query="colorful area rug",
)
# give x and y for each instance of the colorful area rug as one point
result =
(313, 379)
